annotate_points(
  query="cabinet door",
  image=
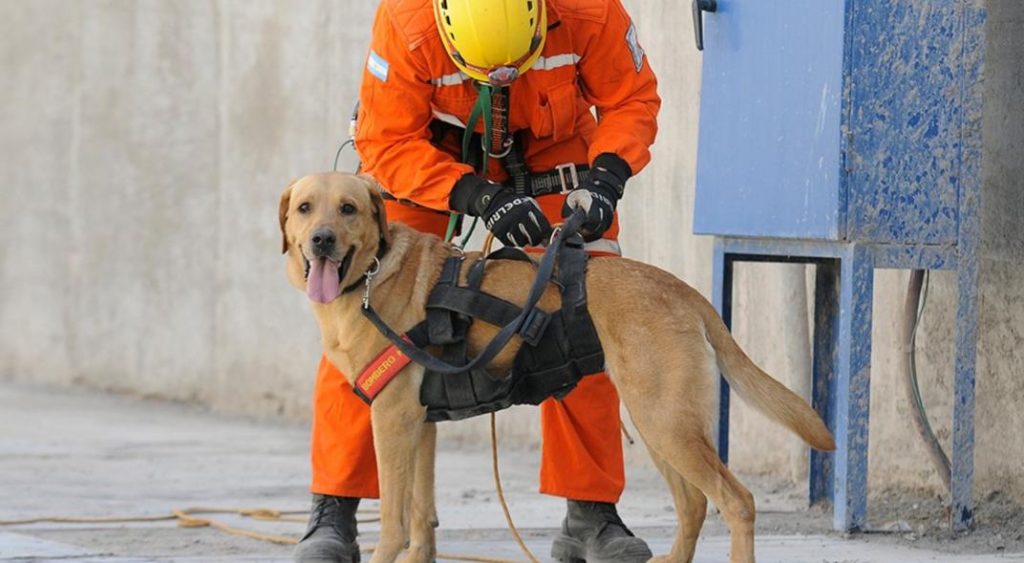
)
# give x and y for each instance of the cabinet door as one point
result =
(768, 156)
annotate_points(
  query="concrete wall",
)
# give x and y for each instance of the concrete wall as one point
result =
(145, 144)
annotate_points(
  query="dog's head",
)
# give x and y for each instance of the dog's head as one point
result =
(332, 227)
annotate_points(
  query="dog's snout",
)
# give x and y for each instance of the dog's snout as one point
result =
(323, 242)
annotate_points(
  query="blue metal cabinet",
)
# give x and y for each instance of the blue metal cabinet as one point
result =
(847, 133)
(833, 119)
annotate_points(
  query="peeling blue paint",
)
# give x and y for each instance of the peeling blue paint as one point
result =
(906, 58)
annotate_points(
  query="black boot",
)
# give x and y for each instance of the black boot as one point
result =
(593, 532)
(331, 535)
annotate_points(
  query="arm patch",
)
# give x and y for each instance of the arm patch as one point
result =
(377, 66)
(634, 47)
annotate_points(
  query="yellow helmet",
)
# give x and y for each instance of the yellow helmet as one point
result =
(492, 41)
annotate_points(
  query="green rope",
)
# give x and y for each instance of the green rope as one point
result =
(453, 219)
(481, 109)
(469, 233)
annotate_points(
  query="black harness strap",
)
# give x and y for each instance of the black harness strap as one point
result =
(471, 302)
(498, 312)
(515, 165)
(579, 327)
(463, 389)
(521, 179)
(440, 326)
(544, 272)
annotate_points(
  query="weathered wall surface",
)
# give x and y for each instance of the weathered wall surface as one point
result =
(145, 144)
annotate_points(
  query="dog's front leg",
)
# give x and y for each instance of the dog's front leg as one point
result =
(423, 517)
(398, 421)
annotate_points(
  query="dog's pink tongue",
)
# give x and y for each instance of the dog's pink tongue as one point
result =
(323, 285)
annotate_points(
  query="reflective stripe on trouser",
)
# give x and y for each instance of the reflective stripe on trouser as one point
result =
(581, 454)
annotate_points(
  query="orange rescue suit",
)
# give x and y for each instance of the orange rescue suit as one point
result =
(591, 60)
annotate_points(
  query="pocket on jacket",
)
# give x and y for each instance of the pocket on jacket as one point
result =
(557, 118)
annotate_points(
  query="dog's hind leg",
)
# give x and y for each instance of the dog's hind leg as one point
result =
(670, 393)
(398, 424)
(691, 508)
(697, 462)
(423, 512)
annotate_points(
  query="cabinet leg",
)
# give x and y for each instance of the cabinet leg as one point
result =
(853, 386)
(721, 298)
(962, 463)
(825, 367)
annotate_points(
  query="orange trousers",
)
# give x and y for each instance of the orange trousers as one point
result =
(581, 452)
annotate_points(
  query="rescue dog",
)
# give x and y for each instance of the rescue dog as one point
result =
(333, 226)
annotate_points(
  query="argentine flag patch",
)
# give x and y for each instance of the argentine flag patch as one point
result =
(377, 66)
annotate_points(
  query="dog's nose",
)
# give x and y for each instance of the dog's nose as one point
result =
(323, 242)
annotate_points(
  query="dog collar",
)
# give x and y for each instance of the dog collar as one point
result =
(382, 249)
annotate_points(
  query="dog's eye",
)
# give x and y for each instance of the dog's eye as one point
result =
(304, 207)
(348, 209)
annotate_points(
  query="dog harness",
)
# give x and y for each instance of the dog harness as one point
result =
(558, 348)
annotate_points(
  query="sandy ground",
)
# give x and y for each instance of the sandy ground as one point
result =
(75, 453)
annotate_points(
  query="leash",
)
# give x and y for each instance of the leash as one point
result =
(187, 518)
(501, 493)
(500, 340)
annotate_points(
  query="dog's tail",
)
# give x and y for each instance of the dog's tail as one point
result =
(763, 392)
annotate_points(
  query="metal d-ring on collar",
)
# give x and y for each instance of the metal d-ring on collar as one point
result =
(370, 273)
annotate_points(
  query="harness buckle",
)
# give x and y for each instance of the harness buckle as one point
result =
(573, 177)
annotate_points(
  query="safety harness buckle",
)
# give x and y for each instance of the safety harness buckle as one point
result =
(567, 173)
(534, 326)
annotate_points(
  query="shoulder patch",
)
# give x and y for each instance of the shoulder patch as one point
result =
(634, 47)
(377, 66)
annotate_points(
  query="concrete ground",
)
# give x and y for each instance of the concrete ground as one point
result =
(74, 453)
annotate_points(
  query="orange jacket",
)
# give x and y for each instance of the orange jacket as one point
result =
(591, 59)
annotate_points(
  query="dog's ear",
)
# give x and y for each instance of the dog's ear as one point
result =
(378, 207)
(282, 214)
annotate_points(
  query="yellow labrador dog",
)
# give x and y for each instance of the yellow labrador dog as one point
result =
(664, 347)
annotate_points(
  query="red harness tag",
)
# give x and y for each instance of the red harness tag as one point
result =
(380, 372)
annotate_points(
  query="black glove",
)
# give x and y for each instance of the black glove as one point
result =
(599, 194)
(514, 219)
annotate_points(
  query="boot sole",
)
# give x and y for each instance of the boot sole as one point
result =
(348, 553)
(571, 550)
(568, 550)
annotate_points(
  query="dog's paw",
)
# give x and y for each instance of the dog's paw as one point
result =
(419, 554)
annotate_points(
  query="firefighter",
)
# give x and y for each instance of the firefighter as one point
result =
(572, 105)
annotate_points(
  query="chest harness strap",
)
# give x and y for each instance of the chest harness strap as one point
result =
(492, 105)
